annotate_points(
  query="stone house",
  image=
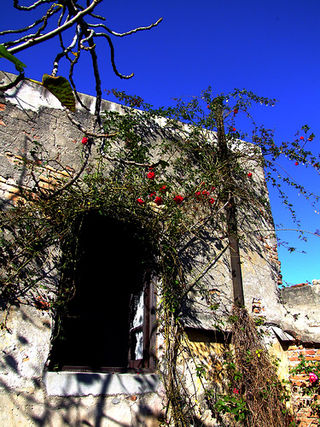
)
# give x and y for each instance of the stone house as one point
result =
(52, 384)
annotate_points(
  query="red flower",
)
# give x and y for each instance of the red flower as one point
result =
(302, 138)
(42, 304)
(235, 111)
(84, 140)
(163, 188)
(158, 200)
(296, 163)
(213, 188)
(205, 192)
(140, 201)
(151, 195)
(150, 175)
(233, 129)
(249, 175)
(178, 199)
(235, 391)
(313, 378)
(198, 194)
(212, 200)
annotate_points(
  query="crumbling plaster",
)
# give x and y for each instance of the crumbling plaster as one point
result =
(302, 305)
(32, 114)
(29, 113)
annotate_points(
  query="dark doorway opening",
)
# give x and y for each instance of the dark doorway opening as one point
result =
(108, 323)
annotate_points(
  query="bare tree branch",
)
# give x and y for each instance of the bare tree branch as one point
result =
(86, 131)
(44, 19)
(122, 76)
(135, 30)
(29, 27)
(33, 6)
(87, 39)
(65, 51)
(56, 31)
(98, 83)
(130, 162)
(71, 13)
(14, 83)
(74, 179)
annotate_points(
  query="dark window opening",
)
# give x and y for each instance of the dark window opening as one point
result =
(108, 325)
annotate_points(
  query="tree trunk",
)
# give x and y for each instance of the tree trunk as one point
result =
(231, 209)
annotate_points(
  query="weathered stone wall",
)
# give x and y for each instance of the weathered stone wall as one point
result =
(31, 116)
(302, 302)
(29, 395)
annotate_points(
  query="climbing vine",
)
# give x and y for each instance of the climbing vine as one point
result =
(180, 174)
(309, 385)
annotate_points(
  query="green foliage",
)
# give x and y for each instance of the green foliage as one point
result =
(254, 392)
(172, 181)
(306, 366)
(259, 321)
(201, 371)
(7, 55)
(61, 89)
(311, 386)
(234, 405)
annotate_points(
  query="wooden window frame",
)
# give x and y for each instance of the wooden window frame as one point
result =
(148, 363)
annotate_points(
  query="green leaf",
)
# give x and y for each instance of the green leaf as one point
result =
(163, 163)
(61, 89)
(5, 54)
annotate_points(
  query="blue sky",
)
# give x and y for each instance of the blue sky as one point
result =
(271, 47)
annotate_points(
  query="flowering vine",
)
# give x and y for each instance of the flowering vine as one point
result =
(309, 384)
(175, 188)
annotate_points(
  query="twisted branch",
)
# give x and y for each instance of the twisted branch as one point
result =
(71, 14)
(33, 6)
(128, 33)
(56, 31)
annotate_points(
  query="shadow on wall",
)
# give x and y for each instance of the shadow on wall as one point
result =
(24, 398)
(25, 344)
(64, 398)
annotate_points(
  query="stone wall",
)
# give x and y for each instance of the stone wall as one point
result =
(31, 115)
(302, 302)
(29, 394)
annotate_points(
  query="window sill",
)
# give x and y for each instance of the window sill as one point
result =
(96, 384)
